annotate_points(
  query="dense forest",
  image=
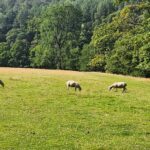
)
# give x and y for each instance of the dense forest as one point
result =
(88, 35)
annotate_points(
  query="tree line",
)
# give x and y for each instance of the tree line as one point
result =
(88, 35)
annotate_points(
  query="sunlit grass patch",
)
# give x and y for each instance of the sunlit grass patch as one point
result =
(38, 112)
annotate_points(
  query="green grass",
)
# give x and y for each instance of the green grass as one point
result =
(38, 113)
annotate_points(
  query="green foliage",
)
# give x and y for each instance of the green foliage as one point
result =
(4, 54)
(74, 59)
(19, 54)
(125, 40)
(97, 63)
(72, 34)
(87, 54)
(105, 8)
(144, 59)
(120, 62)
(42, 57)
(59, 32)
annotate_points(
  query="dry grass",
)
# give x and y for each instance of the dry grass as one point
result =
(27, 71)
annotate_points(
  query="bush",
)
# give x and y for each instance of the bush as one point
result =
(97, 63)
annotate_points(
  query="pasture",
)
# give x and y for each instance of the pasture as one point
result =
(38, 113)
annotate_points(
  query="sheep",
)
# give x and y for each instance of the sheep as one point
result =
(74, 84)
(117, 85)
(1, 83)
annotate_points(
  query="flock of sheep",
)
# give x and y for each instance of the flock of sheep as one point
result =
(115, 85)
(76, 85)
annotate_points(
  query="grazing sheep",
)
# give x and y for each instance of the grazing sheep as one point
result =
(117, 85)
(1, 83)
(74, 84)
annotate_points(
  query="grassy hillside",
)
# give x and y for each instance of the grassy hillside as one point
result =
(37, 112)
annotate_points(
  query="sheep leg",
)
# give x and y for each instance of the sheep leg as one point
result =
(67, 87)
(75, 88)
(124, 89)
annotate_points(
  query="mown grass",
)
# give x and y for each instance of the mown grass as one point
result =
(38, 113)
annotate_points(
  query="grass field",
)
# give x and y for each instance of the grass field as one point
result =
(38, 113)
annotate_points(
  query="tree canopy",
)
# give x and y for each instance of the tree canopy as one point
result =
(107, 35)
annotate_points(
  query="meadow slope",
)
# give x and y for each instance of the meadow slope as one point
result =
(38, 113)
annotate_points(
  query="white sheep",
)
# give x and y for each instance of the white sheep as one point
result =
(1, 83)
(117, 85)
(74, 84)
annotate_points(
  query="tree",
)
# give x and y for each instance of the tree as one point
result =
(87, 54)
(97, 63)
(60, 31)
(4, 54)
(19, 54)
